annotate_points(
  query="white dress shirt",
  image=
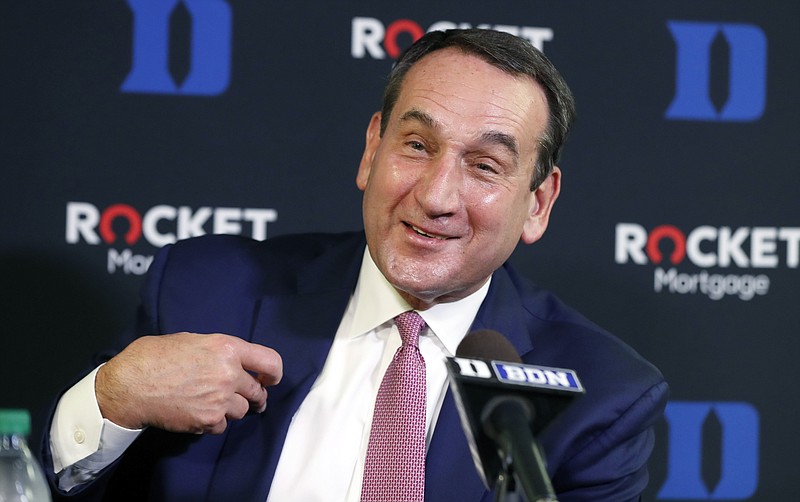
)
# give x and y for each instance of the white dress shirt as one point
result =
(327, 438)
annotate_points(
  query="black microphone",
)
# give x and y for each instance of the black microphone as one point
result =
(503, 405)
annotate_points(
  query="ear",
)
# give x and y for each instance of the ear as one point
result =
(541, 204)
(373, 140)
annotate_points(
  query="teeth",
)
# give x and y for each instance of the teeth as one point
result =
(417, 230)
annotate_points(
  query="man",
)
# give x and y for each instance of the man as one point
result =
(458, 167)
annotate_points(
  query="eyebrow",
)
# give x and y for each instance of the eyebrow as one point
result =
(491, 137)
(501, 138)
(419, 116)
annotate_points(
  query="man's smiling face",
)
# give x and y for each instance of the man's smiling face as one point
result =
(447, 187)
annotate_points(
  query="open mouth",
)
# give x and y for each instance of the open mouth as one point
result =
(426, 234)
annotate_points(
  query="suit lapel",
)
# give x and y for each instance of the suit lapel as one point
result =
(501, 312)
(450, 470)
(300, 326)
(450, 473)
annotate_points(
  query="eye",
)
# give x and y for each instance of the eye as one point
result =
(482, 166)
(416, 145)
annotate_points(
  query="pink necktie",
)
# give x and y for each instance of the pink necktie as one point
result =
(394, 470)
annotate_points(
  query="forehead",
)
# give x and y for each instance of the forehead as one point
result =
(467, 95)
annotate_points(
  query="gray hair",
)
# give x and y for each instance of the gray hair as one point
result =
(512, 55)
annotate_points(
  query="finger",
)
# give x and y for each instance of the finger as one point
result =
(238, 408)
(249, 388)
(261, 360)
(217, 428)
(262, 405)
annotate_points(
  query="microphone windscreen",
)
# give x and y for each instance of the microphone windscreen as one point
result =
(487, 344)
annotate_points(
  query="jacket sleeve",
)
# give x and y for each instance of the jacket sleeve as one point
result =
(146, 323)
(612, 466)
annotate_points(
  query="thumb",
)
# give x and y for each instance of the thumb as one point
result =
(265, 362)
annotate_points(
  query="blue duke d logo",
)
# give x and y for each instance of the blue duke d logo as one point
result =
(747, 70)
(739, 424)
(210, 60)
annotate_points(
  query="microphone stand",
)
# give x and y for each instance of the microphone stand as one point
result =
(506, 420)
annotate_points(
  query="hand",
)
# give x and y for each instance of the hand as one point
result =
(186, 382)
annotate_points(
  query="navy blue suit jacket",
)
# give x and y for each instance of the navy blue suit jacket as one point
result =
(290, 293)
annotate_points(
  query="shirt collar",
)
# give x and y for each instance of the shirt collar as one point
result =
(377, 301)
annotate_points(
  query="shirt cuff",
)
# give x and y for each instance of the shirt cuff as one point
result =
(79, 429)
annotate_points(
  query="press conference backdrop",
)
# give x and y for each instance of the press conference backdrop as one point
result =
(129, 124)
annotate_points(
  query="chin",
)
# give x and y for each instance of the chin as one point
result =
(428, 292)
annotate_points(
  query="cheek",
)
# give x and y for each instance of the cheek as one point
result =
(385, 190)
(487, 206)
(392, 183)
(499, 214)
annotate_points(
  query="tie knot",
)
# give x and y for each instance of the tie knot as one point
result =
(410, 324)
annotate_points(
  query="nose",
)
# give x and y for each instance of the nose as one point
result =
(438, 191)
